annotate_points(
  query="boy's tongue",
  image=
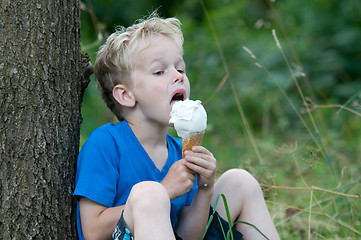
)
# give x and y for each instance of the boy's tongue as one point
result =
(189, 117)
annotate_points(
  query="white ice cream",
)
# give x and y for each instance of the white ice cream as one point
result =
(189, 117)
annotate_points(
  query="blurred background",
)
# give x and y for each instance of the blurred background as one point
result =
(281, 83)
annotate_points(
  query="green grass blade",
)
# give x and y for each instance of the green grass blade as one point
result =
(211, 217)
(250, 224)
(228, 215)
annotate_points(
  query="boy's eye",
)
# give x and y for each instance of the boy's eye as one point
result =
(181, 71)
(158, 72)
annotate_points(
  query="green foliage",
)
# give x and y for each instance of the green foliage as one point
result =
(289, 114)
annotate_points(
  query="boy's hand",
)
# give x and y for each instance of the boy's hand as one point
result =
(202, 162)
(179, 179)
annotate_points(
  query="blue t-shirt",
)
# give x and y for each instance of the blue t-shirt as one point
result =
(112, 161)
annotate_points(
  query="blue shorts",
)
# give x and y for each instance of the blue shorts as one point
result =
(214, 231)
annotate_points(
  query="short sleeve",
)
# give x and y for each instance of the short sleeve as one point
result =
(97, 169)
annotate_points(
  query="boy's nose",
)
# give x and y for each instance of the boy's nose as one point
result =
(178, 76)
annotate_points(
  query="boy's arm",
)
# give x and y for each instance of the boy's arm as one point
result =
(98, 221)
(194, 218)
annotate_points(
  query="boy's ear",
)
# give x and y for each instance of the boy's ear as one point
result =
(124, 96)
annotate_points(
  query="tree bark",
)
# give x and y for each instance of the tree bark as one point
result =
(41, 88)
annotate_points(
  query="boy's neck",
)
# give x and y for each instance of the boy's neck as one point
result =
(148, 134)
(153, 139)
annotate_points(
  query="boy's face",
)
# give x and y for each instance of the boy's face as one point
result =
(159, 79)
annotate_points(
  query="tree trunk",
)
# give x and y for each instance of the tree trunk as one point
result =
(41, 88)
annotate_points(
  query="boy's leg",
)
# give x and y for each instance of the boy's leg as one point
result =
(147, 212)
(246, 203)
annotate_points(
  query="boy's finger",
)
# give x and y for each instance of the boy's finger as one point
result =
(190, 171)
(200, 154)
(196, 157)
(202, 172)
(200, 149)
(200, 162)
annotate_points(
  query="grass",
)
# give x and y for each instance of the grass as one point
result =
(336, 207)
(313, 191)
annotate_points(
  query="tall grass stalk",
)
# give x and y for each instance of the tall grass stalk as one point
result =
(318, 140)
(234, 91)
(289, 42)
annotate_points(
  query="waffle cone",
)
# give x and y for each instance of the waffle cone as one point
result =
(189, 142)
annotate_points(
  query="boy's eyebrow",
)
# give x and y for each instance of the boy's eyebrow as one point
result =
(161, 59)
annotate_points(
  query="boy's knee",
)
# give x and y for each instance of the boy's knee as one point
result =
(239, 188)
(240, 178)
(148, 195)
(145, 200)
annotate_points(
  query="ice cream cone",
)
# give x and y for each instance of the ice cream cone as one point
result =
(191, 141)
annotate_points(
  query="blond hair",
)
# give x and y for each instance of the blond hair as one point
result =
(115, 60)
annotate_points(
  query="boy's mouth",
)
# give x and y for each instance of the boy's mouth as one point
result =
(178, 96)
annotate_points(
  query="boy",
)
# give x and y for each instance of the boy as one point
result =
(131, 176)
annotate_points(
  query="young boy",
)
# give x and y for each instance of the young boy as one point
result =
(131, 176)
